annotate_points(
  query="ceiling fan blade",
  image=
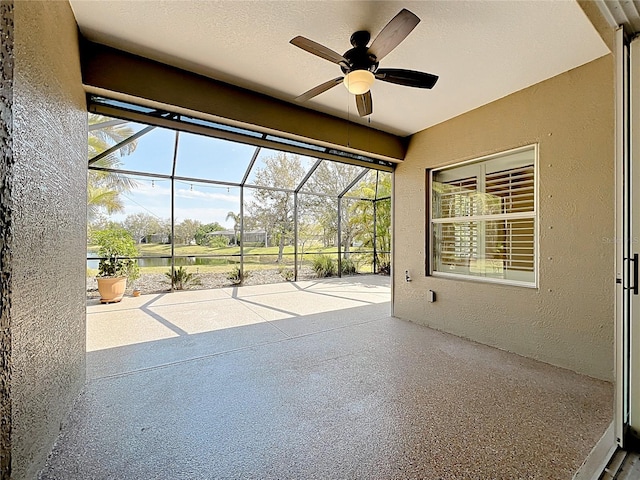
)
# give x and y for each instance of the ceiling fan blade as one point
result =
(319, 50)
(323, 87)
(409, 78)
(393, 33)
(364, 103)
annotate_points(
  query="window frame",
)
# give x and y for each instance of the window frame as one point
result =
(430, 260)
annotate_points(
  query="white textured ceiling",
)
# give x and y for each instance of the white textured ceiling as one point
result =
(482, 50)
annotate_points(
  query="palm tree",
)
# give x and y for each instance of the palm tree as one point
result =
(236, 224)
(104, 188)
(101, 198)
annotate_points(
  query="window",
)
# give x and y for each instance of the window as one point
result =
(483, 219)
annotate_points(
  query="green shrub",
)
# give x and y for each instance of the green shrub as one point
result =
(347, 266)
(324, 266)
(384, 268)
(181, 278)
(218, 241)
(237, 276)
(287, 274)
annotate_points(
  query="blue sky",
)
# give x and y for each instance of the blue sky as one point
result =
(198, 157)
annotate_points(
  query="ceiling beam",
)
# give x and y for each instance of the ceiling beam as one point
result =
(111, 72)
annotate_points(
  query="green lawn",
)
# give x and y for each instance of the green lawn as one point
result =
(150, 249)
(157, 249)
(256, 258)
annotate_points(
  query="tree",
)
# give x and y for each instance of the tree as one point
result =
(273, 209)
(141, 225)
(164, 227)
(100, 223)
(371, 221)
(186, 230)
(249, 223)
(236, 224)
(201, 236)
(101, 198)
(308, 231)
(104, 188)
(332, 178)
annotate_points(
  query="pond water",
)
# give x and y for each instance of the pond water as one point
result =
(166, 262)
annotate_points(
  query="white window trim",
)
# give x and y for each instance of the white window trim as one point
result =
(534, 214)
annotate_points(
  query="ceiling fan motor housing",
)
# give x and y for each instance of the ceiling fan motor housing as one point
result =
(359, 57)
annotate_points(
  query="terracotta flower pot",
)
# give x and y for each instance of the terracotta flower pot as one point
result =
(111, 288)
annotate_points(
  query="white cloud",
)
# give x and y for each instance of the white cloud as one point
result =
(204, 215)
(157, 188)
(224, 197)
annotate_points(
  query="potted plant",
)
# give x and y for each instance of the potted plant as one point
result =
(115, 246)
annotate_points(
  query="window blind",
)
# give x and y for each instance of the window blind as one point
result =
(484, 225)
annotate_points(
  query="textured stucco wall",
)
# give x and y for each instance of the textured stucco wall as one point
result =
(6, 208)
(569, 320)
(49, 229)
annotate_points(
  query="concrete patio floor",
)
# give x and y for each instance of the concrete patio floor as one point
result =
(313, 380)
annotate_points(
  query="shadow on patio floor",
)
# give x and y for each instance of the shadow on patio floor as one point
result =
(260, 382)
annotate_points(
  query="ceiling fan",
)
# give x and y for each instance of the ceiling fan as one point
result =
(360, 64)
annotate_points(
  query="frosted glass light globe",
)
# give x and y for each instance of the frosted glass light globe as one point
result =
(358, 81)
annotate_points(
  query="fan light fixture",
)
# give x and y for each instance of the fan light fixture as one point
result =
(358, 81)
(359, 65)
